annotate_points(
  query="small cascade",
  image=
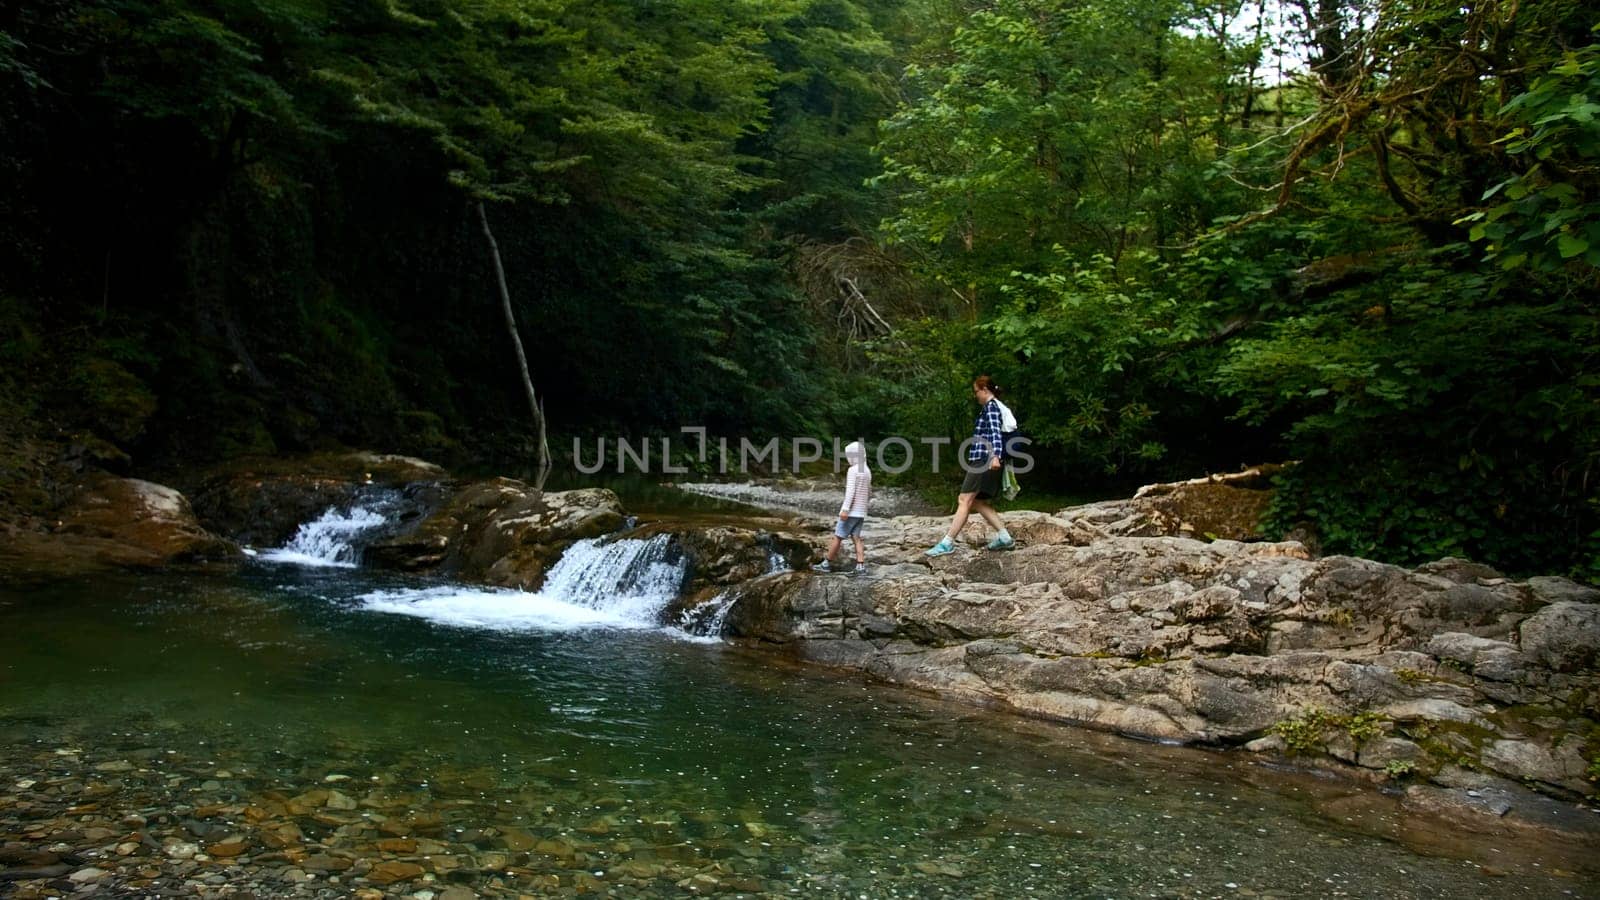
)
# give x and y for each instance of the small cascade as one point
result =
(633, 576)
(336, 538)
(709, 618)
(776, 562)
(597, 583)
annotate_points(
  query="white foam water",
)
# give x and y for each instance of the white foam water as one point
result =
(707, 619)
(329, 540)
(597, 583)
(631, 576)
(499, 610)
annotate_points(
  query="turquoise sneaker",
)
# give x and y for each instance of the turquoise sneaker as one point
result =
(940, 549)
(1002, 542)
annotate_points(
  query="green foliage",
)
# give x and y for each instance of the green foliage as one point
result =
(275, 199)
(1041, 125)
(1075, 333)
(1439, 405)
(1463, 447)
(1365, 726)
(115, 400)
(1308, 732)
(1548, 217)
(1399, 769)
(1043, 167)
(248, 224)
(1083, 183)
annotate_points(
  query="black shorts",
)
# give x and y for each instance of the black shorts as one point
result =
(986, 484)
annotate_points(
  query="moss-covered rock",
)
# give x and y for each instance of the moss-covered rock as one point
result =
(112, 522)
(118, 402)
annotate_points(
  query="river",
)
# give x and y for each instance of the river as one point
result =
(290, 729)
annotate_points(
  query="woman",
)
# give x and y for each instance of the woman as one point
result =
(983, 466)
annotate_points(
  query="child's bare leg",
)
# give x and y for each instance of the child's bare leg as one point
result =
(963, 509)
(833, 548)
(861, 550)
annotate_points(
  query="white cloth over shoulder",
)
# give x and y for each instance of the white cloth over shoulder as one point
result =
(857, 482)
(1008, 422)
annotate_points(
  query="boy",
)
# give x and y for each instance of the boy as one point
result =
(853, 511)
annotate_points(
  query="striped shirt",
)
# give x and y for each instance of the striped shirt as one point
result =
(857, 491)
(986, 434)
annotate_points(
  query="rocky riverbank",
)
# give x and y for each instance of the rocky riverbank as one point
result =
(1463, 688)
(1446, 676)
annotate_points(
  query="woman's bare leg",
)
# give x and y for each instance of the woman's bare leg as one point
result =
(989, 514)
(963, 509)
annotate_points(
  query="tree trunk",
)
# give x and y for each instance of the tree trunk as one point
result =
(516, 341)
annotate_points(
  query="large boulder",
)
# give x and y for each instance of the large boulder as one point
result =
(121, 523)
(1564, 636)
(721, 555)
(500, 531)
(1226, 506)
(260, 501)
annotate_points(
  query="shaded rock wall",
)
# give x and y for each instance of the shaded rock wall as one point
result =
(261, 501)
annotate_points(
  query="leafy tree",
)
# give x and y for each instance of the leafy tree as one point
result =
(1442, 400)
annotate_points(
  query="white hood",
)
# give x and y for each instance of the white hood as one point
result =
(857, 455)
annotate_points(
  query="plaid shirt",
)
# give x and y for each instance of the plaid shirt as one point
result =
(986, 435)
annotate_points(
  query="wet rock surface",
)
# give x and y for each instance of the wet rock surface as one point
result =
(1400, 673)
(720, 556)
(262, 501)
(112, 522)
(500, 532)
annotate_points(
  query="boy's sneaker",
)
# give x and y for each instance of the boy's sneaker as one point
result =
(859, 570)
(824, 567)
(940, 549)
(1002, 542)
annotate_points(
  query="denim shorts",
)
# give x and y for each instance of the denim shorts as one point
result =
(850, 527)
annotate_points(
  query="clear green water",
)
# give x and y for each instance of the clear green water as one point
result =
(656, 758)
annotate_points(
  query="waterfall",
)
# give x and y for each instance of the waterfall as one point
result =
(337, 536)
(597, 583)
(636, 577)
(709, 618)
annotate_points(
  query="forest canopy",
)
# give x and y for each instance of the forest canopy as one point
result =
(1186, 236)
